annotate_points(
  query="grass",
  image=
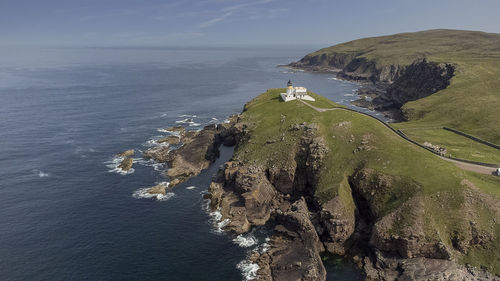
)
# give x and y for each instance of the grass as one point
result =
(456, 145)
(415, 170)
(470, 104)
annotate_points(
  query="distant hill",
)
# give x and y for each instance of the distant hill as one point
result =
(416, 69)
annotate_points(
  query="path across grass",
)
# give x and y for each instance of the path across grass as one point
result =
(468, 165)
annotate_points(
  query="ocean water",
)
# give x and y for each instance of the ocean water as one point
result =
(67, 213)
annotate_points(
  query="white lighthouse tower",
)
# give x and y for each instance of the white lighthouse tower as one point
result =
(293, 93)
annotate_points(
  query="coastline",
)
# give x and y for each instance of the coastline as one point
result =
(366, 92)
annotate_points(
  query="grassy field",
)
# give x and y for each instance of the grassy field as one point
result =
(457, 146)
(472, 101)
(415, 170)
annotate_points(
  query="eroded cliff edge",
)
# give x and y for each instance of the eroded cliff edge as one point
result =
(340, 183)
(387, 87)
(382, 218)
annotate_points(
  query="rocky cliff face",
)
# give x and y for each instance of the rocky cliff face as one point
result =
(199, 149)
(395, 84)
(350, 66)
(387, 245)
(380, 229)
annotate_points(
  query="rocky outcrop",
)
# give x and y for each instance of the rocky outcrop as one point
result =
(126, 153)
(198, 148)
(418, 80)
(195, 155)
(248, 195)
(126, 164)
(243, 195)
(349, 66)
(294, 248)
(171, 140)
(337, 222)
(381, 267)
(158, 189)
(395, 84)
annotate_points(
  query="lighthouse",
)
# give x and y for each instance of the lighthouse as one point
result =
(293, 93)
(289, 88)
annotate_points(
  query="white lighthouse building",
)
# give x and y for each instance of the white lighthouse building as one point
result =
(293, 93)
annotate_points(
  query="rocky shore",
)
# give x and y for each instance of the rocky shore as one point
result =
(385, 242)
(384, 88)
(252, 194)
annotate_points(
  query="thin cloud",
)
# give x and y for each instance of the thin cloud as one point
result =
(230, 10)
(215, 20)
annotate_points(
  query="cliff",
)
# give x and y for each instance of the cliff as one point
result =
(421, 75)
(338, 182)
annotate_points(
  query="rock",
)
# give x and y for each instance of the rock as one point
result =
(243, 195)
(294, 248)
(178, 129)
(338, 221)
(126, 153)
(175, 182)
(158, 189)
(170, 140)
(160, 154)
(195, 155)
(126, 164)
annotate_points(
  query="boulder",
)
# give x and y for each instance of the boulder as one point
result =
(126, 153)
(158, 189)
(126, 164)
(171, 140)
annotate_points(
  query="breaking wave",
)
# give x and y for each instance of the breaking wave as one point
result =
(248, 269)
(143, 193)
(113, 166)
(41, 174)
(245, 241)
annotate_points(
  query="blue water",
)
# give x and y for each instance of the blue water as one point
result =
(64, 113)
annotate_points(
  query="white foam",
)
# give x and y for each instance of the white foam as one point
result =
(154, 142)
(248, 269)
(149, 163)
(215, 216)
(185, 121)
(143, 193)
(191, 187)
(193, 124)
(245, 241)
(186, 115)
(42, 174)
(113, 166)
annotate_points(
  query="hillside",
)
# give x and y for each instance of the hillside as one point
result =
(340, 182)
(436, 78)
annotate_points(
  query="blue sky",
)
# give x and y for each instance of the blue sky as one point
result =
(235, 22)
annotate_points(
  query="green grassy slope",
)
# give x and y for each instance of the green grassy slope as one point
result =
(472, 101)
(417, 171)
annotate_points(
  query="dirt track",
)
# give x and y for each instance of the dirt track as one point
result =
(462, 165)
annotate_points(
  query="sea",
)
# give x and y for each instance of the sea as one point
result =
(67, 212)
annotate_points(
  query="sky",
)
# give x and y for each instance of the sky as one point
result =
(231, 22)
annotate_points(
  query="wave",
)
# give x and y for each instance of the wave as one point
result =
(113, 166)
(150, 163)
(165, 131)
(215, 217)
(191, 187)
(143, 193)
(41, 174)
(187, 115)
(245, 241)
(248, 269)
